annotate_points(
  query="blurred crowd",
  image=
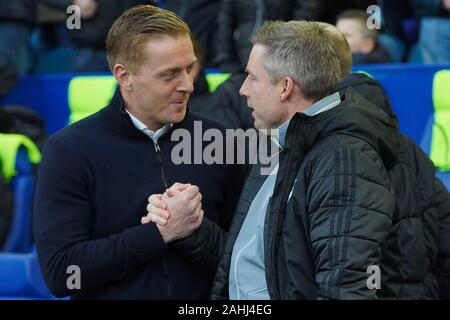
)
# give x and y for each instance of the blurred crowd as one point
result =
(42, 36)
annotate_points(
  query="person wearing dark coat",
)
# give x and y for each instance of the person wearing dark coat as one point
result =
(239, 20)
(418, 264)
(225, 105)
(316, 225)
(434, 31)
(97, 174)
(97, 16)
(201, 17)
(17, 19)
(416, 253)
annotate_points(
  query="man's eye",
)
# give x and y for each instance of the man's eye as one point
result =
(169, 76)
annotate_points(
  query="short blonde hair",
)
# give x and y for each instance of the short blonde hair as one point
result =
(130, 32)
(361, 18)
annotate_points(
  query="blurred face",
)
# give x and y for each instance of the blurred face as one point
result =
(262, 96)
(160, 89)
(351, 29)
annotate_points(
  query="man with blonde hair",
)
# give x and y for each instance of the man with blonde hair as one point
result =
(97, 174)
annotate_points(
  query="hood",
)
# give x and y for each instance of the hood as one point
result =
(354, 116)
(370, 89)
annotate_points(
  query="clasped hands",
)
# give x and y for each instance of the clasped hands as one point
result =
(177, 213)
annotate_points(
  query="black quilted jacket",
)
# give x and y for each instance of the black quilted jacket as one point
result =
(330, 212)
(418, 263)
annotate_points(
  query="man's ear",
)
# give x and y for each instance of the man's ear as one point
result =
(368, 45)
(122, 76)
(287, 88)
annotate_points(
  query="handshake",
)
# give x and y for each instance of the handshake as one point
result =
(177, 213)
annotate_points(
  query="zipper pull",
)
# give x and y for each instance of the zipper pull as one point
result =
(157, 149)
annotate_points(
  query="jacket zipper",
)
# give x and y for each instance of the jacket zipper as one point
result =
(163, 176)
(277, 221)
(158, 153)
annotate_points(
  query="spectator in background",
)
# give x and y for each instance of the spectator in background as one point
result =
(200, 84)
(201, 17)
(8, 78)
(393, 35)
(225, 105)
(329, 10)
(238, 20)
(362, 40)
(97, 16)
(16, 21)
(434, 33)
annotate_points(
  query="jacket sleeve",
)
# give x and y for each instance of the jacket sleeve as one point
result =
(350, 208)
(224, 43)
(63, 214)
(441, 199)
(204, 247)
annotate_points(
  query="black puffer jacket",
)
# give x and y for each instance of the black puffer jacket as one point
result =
(419, 242)
(225, 105)
(319, 242)
(238, 21)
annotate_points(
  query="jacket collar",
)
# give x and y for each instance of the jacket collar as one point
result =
(120, 121)
(354, 116)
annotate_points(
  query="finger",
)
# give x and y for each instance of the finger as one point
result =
(157, 219)
(191, 192)
(157, 211)
(180, 186)
(157, 201)
(192, 205)
(198, 209)
(170, 193)
(156, 195)
(177, 187)
(197, 200)
(145, 220)
(200, 217)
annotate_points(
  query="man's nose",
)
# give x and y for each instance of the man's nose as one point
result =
(187, 83)
(243, 89)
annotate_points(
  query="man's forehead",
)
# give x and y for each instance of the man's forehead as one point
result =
(170, 49)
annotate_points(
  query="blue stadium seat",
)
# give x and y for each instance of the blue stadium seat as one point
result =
(17, 153)
(435, 140)
(20, 277)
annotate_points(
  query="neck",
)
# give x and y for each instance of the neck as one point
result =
(139, 114)
(298, 105)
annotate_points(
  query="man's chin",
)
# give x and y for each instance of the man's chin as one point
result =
(179, 116)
